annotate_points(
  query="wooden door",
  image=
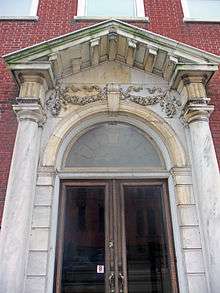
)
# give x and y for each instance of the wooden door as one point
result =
(114, 237)
(146, 258)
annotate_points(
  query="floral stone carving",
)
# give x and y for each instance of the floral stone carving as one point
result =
(61, 96)
(166, 99)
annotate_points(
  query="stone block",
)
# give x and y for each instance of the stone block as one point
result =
(184, 194)
(45, 181)
(41, 217)
(39, 239)
(43, 195)
(35, 285)
(197, 283)
(188, 215)
(191, 237)
(37, 263)
(194, 261)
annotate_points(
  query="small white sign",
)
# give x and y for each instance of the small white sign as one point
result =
(100, 269)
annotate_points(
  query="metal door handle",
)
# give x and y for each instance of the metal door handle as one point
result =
(111, 279)
(121, 282)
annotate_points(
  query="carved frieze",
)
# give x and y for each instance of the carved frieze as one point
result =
(61, 96)
(156, 95)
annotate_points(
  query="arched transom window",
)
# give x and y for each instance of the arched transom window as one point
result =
(113, 145)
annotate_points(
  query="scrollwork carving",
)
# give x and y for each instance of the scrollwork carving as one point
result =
(60, 97)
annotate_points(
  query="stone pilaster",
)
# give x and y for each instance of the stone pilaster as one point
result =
(206, 173)
(191, 245)
(16, 221)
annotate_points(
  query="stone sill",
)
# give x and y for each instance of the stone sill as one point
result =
(19, 18)
(102, 18)
(191, 19)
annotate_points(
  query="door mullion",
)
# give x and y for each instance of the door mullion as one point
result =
(123, 268)
(116, 224)
(108, 238)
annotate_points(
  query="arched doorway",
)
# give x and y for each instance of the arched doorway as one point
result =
(114, 235)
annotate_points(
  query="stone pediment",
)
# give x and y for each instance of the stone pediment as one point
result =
(114, 41)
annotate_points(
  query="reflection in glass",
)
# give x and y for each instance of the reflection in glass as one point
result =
(147, 255)
(15, 8)
(84, 240)
(110, 8)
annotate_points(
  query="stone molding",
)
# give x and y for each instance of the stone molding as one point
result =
(33, 112)
(197, 112)
(181, 175)
(108, 41)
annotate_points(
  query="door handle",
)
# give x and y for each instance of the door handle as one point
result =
(121, 279)
(111, 279)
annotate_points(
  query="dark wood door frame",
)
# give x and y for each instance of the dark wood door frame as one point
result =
(115, 238)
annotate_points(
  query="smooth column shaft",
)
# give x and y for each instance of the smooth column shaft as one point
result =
(18, 205)
(206, 170)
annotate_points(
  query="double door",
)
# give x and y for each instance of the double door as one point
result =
(114, 236)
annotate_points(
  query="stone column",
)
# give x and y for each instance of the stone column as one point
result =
(206, 172)
(21, 188)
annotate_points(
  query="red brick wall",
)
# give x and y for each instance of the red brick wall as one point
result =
(166, 18)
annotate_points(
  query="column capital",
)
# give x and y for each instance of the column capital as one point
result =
(195, 88)
(33, 86)
(197, 112)
(34, 79)
(33, 112)
(196, 101)
(190, 82)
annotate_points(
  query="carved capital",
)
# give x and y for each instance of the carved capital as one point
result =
(195, 88)
(33, 86)
(32, 112)
(197, 112)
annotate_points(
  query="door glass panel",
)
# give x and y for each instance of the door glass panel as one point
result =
(84, 241)
(146, 240)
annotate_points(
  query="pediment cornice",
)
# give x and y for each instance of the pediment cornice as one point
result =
(116, 41)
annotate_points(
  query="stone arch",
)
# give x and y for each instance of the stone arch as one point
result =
(156, 124)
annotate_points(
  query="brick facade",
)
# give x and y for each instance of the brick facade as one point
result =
(55, 19)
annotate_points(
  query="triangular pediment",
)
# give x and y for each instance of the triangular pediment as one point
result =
(108, 41)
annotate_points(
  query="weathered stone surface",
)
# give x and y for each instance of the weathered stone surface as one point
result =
(37, 263)
(41, 217)
(35, 285)
(39, 239)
